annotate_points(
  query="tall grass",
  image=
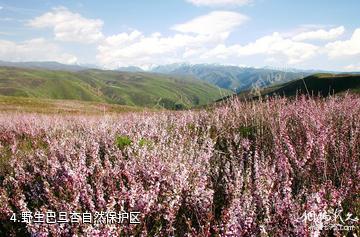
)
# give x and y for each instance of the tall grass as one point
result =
(240, 169)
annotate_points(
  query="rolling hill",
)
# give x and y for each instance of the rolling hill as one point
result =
(322, 84)
(228, 77)
(123, 88)
(71, 107)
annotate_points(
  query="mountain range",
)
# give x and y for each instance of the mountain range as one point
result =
(173, 86)
(228, 77)
(232, 77)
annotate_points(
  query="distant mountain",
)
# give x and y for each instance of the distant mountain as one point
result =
(322, 84)
(124, 88)
(170, 68)
(46, 65)
(129, 69)
(232, 77)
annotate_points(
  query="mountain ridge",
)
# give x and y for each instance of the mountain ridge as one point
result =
(231, 77)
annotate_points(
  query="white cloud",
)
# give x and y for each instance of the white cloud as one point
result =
(272, 45)
(320, 34)
(352, 67)
(345, 48)
(216, 3)
(69, 26)
(34, 50)
(202, 39)
(1, 7)
(194, 38)
(137, 49)
(213, 23)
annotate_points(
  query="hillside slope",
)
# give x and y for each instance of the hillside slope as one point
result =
(318, 84)
(323, 84)
(48, 106)
(124, 88)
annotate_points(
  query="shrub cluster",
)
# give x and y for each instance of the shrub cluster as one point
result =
(239, 169)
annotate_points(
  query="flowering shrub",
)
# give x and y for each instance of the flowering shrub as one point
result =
(239, 169)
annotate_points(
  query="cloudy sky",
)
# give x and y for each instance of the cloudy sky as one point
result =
(307, 34)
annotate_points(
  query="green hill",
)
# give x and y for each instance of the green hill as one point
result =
(318, 84)
(123, 88)
(47, 106)
(322, 84)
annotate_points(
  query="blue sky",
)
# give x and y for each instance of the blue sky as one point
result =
(299, 34)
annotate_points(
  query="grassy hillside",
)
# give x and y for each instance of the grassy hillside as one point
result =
(323, 84)
(124, 88)
(72, 107)
(318, 84)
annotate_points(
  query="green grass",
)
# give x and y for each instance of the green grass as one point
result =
(46, 106)
(323, 84)
(133, 89)
(320, 84)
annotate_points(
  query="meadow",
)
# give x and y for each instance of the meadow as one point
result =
(138, 89)
(253, 168)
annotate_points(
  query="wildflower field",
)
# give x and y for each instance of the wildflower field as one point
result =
(237, 169)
